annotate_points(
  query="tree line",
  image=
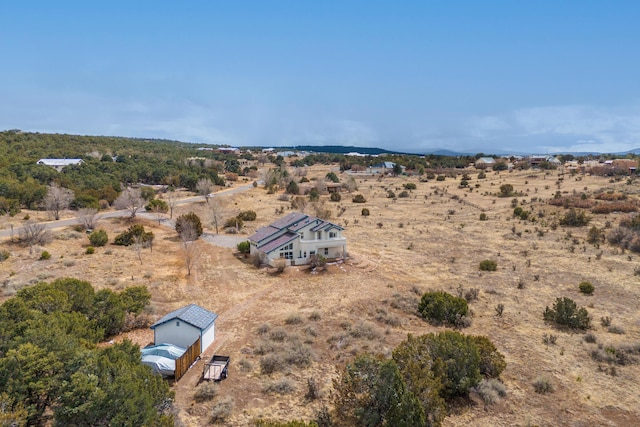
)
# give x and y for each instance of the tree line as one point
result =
(52, 367)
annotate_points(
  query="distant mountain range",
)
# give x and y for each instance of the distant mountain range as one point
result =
(340, 149)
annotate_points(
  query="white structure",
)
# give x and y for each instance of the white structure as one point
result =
(296, 237)
(183, 326)
(59, 164)
(485, 162)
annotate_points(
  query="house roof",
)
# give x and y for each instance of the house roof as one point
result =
(192, 314)
(486, 160)
(386, 165)
(276, 243)
(262, 233)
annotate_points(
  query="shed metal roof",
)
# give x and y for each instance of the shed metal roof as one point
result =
(192, 314)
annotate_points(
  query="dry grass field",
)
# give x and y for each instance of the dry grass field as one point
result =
(302, 325)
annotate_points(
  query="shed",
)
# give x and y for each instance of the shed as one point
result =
(183, 326)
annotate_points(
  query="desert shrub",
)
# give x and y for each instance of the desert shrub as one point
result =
(549, 339)
(234, 222)
(272, 363)
(574, 218)
(136, 231)
(292, 187)
(247, 215)
(566, 313)
(90, 250)
(542, 385)
(606, 208)
(403, 194)
(315, 316)
(280, 265)
(590, 338)
(331, 176)
(281, 386)
(244, 247)
(44, 255)
(364, 329)
(4, 255)
(482, 175)
(594, 235)
(391, 194)
(298, 355)
(471, 294)
(98, 237)
(610, 196)
(293, 319)
(365, 212)
(189, 226)
(605, 321)
(314, 194)
(483, 217)
(335, 197)
(222, 410)
(491, 390)
(506, 190)
(206, 391)
(488, 265)
(440, 178)
(156, 205)
(409, 186)
(586, 288)
(313, 389)
(358, 198)
(440, 307)
(491, 361)
(615, 330)
(278, 335)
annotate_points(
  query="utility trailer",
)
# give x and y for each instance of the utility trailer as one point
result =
(216, 369)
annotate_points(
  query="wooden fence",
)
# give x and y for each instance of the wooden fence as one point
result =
(189, 356)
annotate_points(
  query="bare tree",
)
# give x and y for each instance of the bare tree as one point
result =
(350, 184)
(299, 203)
(88, 218)
(172, 201)
(57, 199)
(33, 233)
(131, 200)
(217, 209)
(204, 187)
(190, 254)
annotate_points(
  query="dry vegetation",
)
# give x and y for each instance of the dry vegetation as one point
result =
(286, 331)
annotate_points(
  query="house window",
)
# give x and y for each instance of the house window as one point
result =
(177, 323)
(333, 234)
(326, 251)
(319, 235)
(305, 254)
(312, 253)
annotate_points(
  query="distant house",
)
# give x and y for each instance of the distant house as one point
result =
(537, 161)
(485, 163)
(59, 164)
(228, 150)
(296, 237)
(382, 168)
(183, 326)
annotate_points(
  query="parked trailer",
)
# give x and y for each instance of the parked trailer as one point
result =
(217, 368)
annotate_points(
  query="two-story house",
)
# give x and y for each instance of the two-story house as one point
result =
(296, 237)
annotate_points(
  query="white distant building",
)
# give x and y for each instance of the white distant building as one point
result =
(59, 164)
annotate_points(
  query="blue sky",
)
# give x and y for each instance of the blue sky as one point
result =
(469, 76)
